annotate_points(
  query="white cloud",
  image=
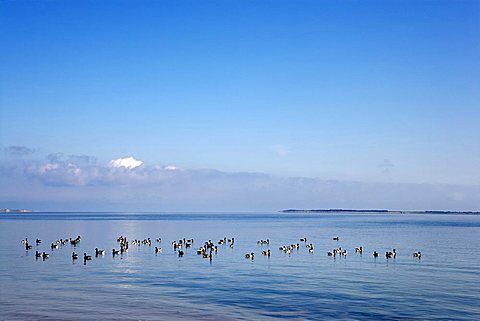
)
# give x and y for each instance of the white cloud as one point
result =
(171, 168)
(280, 150)
(47, 167)
(18, 151)
(386, 165)
(127, 162)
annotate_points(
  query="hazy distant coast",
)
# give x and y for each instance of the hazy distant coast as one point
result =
(11, 210)
(340, 210)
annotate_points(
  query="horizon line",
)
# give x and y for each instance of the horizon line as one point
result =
(285, 211)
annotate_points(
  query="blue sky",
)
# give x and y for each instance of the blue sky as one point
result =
(371, 92)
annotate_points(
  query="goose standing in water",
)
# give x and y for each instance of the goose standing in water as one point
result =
(74, 256)
(310, 248)
(38, 254)
(261, 242)
(417, 254)
(390, 255)
(45, 256)
(208, 255)
(180, 253)
(86, 257)
(375, 254)
(99, 252)
(250, 256)
(75, 241)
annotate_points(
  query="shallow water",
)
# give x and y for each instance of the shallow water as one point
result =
(142, 285)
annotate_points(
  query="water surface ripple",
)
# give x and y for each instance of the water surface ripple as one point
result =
(142, 285)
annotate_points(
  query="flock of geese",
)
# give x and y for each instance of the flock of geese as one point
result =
(207, 250)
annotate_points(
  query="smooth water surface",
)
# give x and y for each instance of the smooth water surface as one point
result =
(141, 285)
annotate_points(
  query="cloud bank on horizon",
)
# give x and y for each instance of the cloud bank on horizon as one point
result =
(79, 182)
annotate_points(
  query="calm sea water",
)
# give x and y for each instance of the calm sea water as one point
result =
(142, 285)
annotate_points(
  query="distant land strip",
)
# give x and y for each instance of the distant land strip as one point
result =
(12, 210)
(342, 210)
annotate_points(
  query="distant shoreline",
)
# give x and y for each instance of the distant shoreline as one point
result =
(12, 210)
(288, 211)
(340, 210)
